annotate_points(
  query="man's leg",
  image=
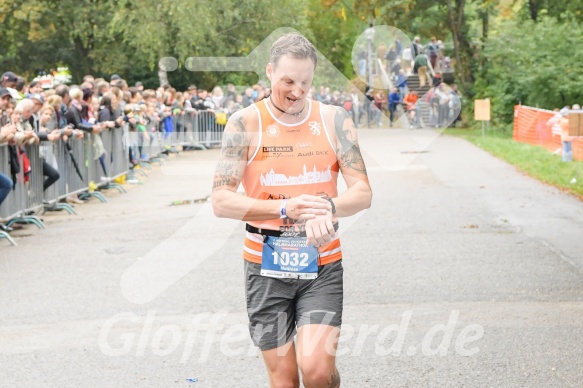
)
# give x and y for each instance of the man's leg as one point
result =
(271, 310)
(319, 312)
(282, 366)
(317, 346)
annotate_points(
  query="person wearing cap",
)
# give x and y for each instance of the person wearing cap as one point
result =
(9, 79)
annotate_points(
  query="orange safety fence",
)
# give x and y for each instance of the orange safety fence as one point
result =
(531, 125)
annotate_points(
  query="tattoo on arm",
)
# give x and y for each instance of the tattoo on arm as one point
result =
(233, 154)
(349, 150)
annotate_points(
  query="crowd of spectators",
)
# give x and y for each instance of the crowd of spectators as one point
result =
(427, 61)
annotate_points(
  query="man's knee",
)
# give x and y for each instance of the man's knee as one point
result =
(320, 375)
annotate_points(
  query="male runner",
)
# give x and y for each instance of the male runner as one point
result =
(287, 152)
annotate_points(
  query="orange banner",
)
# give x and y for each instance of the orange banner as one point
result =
(534, 126)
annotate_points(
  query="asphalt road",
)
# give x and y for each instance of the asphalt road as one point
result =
(464, 273)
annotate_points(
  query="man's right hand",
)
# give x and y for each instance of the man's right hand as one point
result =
(306, 207)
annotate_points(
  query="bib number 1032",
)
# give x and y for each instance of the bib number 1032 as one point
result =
(293, 258)
(289, 257)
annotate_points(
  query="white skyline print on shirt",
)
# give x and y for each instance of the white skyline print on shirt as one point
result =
(274, 179)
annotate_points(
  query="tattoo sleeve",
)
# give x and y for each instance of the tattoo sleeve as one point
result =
(348, 152)
(231, 164)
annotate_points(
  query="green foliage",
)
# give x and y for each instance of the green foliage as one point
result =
(533, 63)
(531, 54)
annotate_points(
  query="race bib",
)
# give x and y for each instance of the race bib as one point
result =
(289, 257)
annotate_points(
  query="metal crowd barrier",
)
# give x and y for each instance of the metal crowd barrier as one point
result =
(197, 128)
(27, 194)
(11, 207)
(83, 171)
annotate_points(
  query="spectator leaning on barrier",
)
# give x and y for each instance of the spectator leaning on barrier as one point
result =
(108, 117)
(63, 92)
(20, 118)
(49, 162)
(204, 101)
(50, 173)
(74, 119)
(24, 135)
(55, 101)
(73, 114)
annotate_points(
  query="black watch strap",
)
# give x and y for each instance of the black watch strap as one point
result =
(331, 203)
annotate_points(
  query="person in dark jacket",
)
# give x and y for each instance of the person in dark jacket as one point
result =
(394, 101)
(108, 117)
(73, 114)
(36, 121)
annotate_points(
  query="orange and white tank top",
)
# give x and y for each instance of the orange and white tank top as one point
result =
(290, 160)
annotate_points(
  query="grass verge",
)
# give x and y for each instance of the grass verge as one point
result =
(533, 160)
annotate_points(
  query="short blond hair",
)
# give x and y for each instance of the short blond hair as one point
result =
(295, 45)
(75, 93)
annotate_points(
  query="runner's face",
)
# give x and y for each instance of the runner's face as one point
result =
(291, 80)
